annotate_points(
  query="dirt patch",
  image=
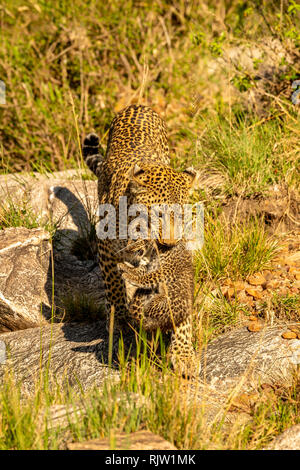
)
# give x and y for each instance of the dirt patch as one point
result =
(272, 295)
(279, 210)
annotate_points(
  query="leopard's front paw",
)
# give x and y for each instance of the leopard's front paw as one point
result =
(189, 367)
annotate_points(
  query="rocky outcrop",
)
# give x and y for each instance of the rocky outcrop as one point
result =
(39, 281)
(39, 278)
(24, 263)
(59, 416)
(65, 197)
(79, 352)
(253, 357)
(70, 353)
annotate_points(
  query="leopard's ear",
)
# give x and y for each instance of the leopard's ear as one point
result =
(192, 174)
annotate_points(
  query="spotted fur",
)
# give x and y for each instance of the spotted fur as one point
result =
(136, 165)
(164, 297)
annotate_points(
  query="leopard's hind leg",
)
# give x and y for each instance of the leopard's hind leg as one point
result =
(157, 313)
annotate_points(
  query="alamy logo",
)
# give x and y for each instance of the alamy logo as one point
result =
(2, 93)
(161, 221)
(295, 95)
(295, 357)
(2, 352)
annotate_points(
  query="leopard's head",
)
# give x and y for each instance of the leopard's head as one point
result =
(154, 185)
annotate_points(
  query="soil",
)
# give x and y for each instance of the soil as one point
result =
(280, 210)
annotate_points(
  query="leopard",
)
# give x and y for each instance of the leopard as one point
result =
(136, 166)
(161, 296)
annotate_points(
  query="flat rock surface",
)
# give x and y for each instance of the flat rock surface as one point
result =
(30, 285)
(64, 196)
(71, 352)
(24, 263)
(59, 416)
(72, 206)
(140, 440)
(78, 351)
(262, 356)
(288, 440)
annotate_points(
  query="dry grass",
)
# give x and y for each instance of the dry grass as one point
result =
(147, 397)
(68, 70)
(55, 60)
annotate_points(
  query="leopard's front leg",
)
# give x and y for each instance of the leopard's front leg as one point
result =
(115, 290)
(183, 356)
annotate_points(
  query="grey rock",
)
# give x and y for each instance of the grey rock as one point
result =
(59, 416)
(239, 362)
(65, 197)
(32, 189)
(24, 263)
(140, 440)
(238, 359)
(32, 288)
(71, 353)
(288, 440)
(63, 276)
(72, 207)
(253, 357)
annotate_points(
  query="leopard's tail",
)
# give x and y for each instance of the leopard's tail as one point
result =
(91, 155)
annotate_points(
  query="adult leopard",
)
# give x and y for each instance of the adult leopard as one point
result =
(136, 165)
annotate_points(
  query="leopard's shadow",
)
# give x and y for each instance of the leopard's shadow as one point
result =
(60, 271)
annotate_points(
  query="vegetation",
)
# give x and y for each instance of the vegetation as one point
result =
(235, 250)
(221, 75)
(146, 397)
(13, 215)
(97, 57)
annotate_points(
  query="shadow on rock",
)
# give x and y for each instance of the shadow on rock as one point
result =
(74, 284)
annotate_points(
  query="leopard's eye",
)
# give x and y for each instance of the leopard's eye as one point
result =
(140, 252)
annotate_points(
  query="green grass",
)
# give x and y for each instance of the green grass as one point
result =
(67, 71)
(249, 157)
(146, 397)
(233, 250)
(216, 315)
(284, 306)
(100, 57)
(15, 215)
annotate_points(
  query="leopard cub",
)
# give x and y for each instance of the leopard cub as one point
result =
(163, 296)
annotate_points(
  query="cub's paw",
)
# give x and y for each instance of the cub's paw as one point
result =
(125, 267)
(127, 271)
